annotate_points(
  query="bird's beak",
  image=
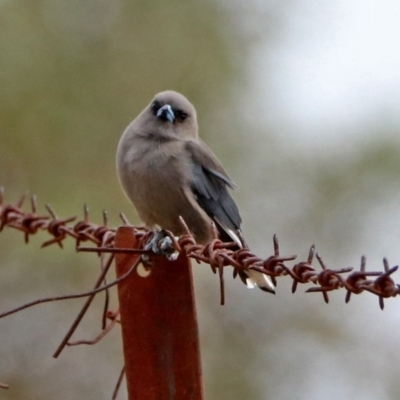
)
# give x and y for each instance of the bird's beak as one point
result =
(166, 113)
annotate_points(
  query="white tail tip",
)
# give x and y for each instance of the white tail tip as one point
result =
(260, 280)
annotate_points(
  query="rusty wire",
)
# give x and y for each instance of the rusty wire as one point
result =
(217, 254)
(113, 317)
(118, 384)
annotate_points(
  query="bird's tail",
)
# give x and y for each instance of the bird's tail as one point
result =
(249, 277)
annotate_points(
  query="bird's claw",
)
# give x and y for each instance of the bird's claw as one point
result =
(166, 247)
(161, 243)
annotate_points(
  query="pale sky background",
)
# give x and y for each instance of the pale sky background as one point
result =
(334, 61)
(335, 67)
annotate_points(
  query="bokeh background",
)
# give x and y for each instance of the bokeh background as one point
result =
(299, 100)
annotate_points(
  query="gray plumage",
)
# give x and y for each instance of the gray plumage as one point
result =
(167, 171)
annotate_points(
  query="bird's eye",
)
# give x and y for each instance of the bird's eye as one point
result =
(155, 106)
(181, 115)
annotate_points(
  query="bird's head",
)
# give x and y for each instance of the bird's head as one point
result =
(171, 113)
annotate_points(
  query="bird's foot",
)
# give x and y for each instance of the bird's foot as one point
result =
(161, 243)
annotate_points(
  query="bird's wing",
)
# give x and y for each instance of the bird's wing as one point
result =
(209, 185)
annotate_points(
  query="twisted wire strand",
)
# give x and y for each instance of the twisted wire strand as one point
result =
(216, 254)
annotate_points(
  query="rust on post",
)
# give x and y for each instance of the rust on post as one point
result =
(159, 327)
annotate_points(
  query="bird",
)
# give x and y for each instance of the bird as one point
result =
(168, 172)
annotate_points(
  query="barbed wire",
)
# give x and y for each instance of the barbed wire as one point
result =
(217, 254)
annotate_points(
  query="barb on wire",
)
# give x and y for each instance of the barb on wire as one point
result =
(383, 286)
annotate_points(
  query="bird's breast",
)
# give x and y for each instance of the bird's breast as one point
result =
(154, 178)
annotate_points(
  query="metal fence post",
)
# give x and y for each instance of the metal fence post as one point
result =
(159, 327)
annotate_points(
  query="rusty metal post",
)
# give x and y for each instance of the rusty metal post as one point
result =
(159, 327)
